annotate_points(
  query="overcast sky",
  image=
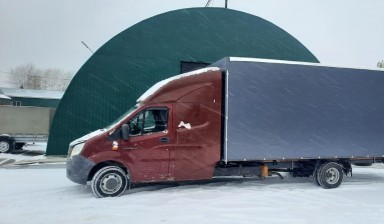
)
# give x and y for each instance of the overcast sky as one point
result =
(48, 33)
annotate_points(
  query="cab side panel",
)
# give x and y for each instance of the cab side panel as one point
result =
(197, 122)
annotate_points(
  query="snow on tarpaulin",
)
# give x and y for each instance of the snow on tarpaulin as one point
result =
(162, 83)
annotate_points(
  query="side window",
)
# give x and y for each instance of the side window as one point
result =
(149, 121)
(136, 125)
(156, 120)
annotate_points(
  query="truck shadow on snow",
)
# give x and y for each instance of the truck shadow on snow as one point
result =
(274, 182)
(216, 183)
(361, 178)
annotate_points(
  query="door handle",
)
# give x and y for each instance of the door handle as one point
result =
(165, 140)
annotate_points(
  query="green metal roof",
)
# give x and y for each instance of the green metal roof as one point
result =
(123, 68)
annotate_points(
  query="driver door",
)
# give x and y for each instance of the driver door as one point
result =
(150, 144)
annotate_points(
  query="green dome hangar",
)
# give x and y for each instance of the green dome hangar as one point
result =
(165, 45)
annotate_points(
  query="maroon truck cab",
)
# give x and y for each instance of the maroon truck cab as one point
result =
(173, 134)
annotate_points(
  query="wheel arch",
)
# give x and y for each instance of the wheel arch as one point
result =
(7, 137)
(345, 164)
(108, 163)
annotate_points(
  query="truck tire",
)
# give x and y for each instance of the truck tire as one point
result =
(315, 172)
(329, 175)
(109, 181)
(6, 145)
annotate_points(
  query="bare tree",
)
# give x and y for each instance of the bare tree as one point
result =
(380, 64)
(23, 75)
(55, 79)
(30, 77)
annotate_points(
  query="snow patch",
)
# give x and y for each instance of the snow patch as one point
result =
(32, 93)
(275, 61)
(88, 136)
(185, 125)
(46, 196)
(2, 96)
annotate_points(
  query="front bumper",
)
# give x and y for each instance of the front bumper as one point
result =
(78, 169)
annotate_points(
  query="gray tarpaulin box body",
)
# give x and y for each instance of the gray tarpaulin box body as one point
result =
(290, 110)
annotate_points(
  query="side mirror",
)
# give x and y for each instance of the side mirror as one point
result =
(125, 131)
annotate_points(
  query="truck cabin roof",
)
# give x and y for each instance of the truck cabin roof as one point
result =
(188, 87)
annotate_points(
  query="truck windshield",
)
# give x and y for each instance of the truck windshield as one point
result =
(126, 114)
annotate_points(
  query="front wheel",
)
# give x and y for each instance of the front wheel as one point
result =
(329, 175)
(109, 181)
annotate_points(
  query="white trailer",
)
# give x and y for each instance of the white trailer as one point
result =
(19, 125)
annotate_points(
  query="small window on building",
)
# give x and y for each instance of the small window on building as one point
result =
(188, 66)
(16, 103)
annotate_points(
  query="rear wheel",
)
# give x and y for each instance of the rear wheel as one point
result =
(329, 175)
(6, 146)
(109, 181)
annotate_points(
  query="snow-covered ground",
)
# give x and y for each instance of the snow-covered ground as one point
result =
(43, 194)
(30, 151)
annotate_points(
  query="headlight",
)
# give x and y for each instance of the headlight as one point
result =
(77, 149)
